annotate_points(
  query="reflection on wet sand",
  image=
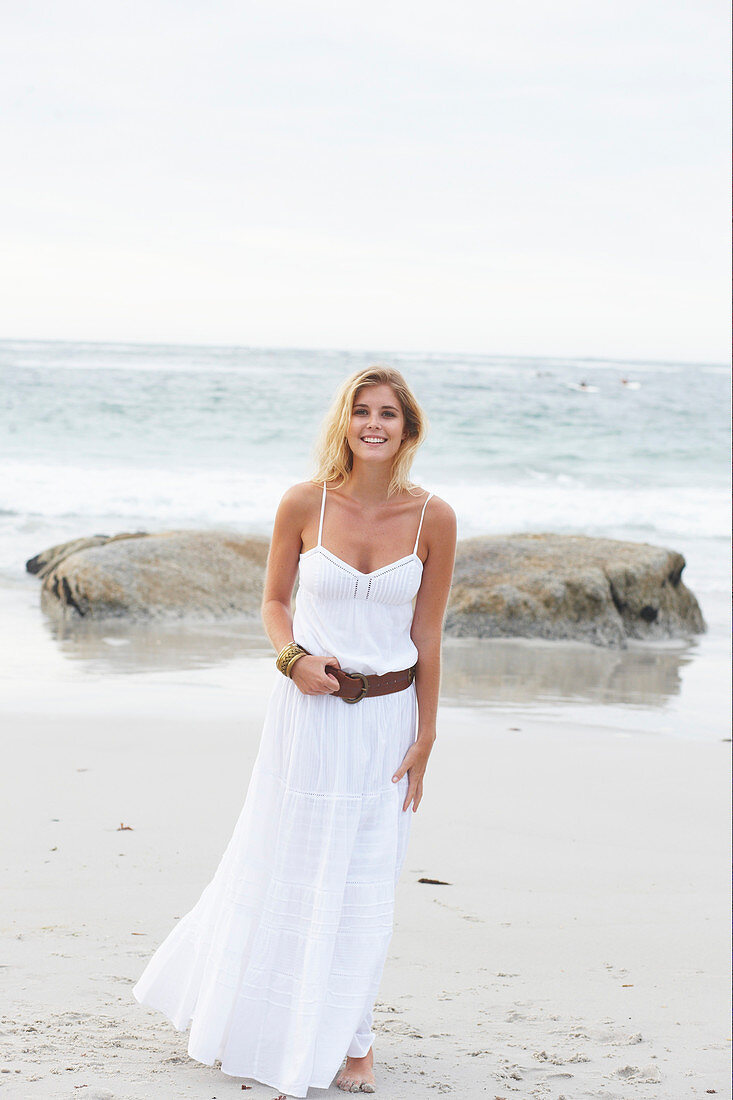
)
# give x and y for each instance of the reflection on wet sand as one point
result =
(517, 670)
(498, 671)
(118, 647)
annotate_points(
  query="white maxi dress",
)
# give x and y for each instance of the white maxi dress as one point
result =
(277, 966)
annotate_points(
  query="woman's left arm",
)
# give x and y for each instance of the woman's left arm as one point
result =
(427, 629)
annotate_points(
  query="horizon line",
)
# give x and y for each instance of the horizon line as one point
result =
(363, 351)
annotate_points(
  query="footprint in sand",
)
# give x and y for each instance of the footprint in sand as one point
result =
(639, 1075)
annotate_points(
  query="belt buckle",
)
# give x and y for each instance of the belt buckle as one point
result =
(364, 686)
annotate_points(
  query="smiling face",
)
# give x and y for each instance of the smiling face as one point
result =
(377, 424)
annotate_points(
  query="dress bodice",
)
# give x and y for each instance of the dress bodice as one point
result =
(362, 619)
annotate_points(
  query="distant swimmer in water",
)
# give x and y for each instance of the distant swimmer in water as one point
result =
(630, 384)
(582, 385)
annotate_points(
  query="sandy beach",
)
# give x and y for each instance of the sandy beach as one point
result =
(578, 949)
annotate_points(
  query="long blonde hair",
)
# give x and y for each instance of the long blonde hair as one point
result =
(332, 454)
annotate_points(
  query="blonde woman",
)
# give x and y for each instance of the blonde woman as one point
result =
(277, 967)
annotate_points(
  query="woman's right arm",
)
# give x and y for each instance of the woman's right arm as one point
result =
(308, 673)
(282, 567)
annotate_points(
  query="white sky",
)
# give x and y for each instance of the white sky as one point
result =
(533, 178)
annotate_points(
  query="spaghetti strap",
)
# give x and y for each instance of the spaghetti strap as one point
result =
(323, 508)
(422, 516)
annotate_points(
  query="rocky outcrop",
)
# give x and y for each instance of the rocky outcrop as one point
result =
(595, 590)
(174, 574)
(44, 562)
(533, 586)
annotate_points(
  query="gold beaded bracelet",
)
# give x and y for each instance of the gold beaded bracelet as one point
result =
(291, 662)
(288, 655)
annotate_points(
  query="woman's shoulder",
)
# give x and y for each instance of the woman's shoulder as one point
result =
(437, 506)
(439, 517)
(300, 497)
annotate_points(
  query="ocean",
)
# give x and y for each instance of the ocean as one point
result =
(103, 438)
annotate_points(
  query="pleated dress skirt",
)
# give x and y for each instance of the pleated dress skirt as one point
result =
(277, 967)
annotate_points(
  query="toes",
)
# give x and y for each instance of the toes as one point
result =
(350, 1084)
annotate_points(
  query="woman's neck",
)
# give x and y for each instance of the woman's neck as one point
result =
(368, 482)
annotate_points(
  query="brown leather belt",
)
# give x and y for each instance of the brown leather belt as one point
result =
(355, 686)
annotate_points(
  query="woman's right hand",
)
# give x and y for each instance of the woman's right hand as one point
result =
(309, 675)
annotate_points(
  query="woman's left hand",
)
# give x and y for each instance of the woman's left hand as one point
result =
(414, 764)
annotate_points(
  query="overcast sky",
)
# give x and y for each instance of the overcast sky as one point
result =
(535, 178)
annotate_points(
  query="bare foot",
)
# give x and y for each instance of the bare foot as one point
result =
(358, 1074)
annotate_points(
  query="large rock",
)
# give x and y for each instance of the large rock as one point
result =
(174, 574)
(533, 586)
(595, 590)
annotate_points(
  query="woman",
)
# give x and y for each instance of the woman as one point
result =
(278, 965)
